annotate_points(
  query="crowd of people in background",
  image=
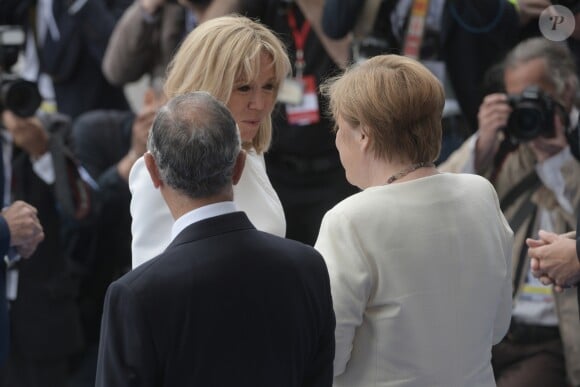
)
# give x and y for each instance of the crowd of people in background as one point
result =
(422, 155)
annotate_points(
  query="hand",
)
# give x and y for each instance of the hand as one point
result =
(24, 226)
(141, 127)
(151, 6)
(531, 9)
(27, 249)
(554, 260)
(492, 117)
(544, 148)
(27, 133)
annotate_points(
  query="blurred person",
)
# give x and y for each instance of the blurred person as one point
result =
(107, 143)
(523, 147)
(20, 229)
(248, 64)
(44, 316)
(460, 40)
(65, 44)
(224, 304)
(302, 163)
(146, 37)
(419, 261)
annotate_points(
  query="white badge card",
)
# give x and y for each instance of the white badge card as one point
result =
(11, 284)
(307, 112)
(291, 91)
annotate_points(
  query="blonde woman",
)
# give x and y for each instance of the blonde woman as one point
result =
(419, 261)
(241, 63)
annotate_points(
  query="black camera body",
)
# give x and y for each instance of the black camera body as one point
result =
(17, 95)
(532, 115)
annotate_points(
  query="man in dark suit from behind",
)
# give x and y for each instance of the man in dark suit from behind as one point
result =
(224, 304)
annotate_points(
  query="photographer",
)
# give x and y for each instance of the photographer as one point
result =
(522, 147)
(40, 169)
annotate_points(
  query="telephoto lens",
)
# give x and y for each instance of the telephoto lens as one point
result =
(19, 96)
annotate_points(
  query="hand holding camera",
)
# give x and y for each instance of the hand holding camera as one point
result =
(25, 229)
(27, 133)
(532, 116)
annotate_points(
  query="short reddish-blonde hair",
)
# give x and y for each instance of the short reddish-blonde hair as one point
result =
(397, 101)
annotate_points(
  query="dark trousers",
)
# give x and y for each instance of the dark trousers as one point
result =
(26, 372)
(529, 364)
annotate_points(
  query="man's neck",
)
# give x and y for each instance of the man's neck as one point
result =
(180, 204)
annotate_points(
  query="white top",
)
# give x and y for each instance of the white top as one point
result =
(152, 220)
(420, 274)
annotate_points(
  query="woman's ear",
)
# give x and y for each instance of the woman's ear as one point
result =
(364, 140)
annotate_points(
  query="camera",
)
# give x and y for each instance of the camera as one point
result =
(17, 95)
(532, 115)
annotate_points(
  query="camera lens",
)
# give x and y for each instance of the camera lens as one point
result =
(21, 97)
(527, 122)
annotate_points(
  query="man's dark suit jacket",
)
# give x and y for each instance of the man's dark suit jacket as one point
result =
(224, 305)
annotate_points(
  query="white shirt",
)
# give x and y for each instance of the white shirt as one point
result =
(152, 221)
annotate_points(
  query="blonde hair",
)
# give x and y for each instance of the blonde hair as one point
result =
(398, 102)
(220, 52)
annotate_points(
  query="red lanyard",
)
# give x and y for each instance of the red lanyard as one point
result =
(299, 40)
(415, 29)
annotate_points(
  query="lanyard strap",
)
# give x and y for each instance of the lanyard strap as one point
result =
(299, 37)
(415, 29)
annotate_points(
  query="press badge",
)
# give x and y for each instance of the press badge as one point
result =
(11, 284)
(291, 92)
(306, 112)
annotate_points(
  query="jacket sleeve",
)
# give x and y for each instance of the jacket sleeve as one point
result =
(4, 237)
(126, 351)
(350, 280)
(151, 219)
(141, 45)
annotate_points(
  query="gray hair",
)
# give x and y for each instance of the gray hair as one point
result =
(560, 65)
(195, 142)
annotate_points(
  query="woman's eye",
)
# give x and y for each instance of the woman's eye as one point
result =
(244, 88)
(269, 86)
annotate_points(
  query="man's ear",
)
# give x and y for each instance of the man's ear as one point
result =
(239, 167)
(153, 170)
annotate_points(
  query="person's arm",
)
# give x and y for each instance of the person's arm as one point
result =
(132, 46)
(492, 118)
(478, 151)
(219, 8)
(126, 351)
(151, 219)
(350, 280)
(4, 236)
(340, 16)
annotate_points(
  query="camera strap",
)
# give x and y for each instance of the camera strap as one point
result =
(526, 186)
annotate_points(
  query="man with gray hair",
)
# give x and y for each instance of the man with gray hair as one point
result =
(224, 304)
